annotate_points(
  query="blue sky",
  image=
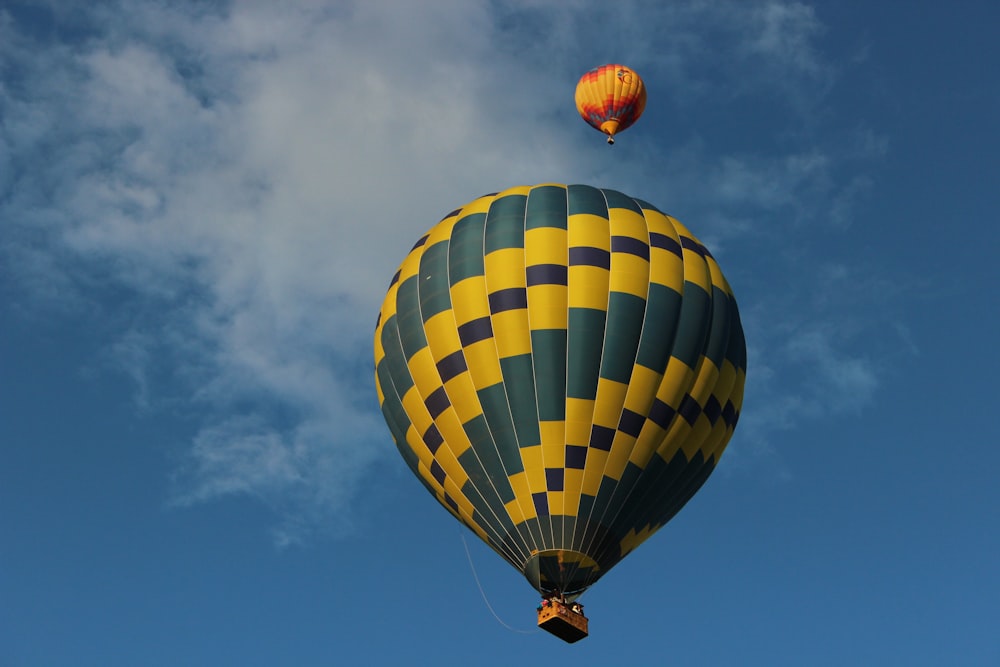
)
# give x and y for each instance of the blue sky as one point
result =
(201, 206)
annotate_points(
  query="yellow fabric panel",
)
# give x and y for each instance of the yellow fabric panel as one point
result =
(621, 448)
(481, 205)
(533, 468)
(572, 484)
(484, 365)
(676, 436)
(505, 269)
(665, 268)
(545, 245)
(579, 417)
(410, 267)
(464, 400)
(590, 230)
(424, 372)
(465, 507)
(714, 440)
(594, 471)
(626, 222)
(547, 307)
(557, 502)
(413, 404)
(553, 454)
(704, 382)
(642, 389)
(737, 396)
(522, 493)
(451, 429)
(646, 445)
(511, 333)
(696, 270)
(609, 402)
(552, 432)
(469, 300)
(513, 510)
(440, 232)
(425, 472)
(629, 274)
(676, 378)
(579, 410)
(442, 335)
(718, 279)
(634, 539)
(588, 287)
(696, 437)
(424, 456)
(448, 460)
(578, 432)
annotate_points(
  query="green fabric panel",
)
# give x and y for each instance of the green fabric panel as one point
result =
(489, 463)
(519, 379)
(585, 199)
(465, 254)
(618, 200)
(737, 351)
(433, 283)
(659, 327)
(395, 360)
(411, 325)
(548, 355)
(505, 223)
(647, 206)
(534, 530)
(546, 207)
(718, 332)
(501, 427)
(696, 315)
(392, 407)
(586, 343)
(621, 339)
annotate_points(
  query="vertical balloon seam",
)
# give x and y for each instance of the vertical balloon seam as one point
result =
(469, 521)
(498, 333)
(531, 481)
(705, 442)
(548, 284)
(612, 540)
(570, 541)
(494, 524)
(589, 259)
(595, 401)
(499, 509)
(618, 442)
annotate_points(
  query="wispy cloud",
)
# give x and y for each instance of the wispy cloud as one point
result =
(246, 179)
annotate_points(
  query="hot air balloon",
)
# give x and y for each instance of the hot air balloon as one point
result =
(561, 366)
(610, 98)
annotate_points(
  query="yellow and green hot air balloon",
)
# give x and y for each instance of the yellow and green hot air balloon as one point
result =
(610, 98)
(562, 367)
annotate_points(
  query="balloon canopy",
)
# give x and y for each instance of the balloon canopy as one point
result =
(561, 366)
(610, 98)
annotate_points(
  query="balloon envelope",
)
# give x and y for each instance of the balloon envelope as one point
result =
(610, 98)
(561, 367)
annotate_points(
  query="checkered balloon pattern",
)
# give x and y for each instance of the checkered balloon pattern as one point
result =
(561, 366)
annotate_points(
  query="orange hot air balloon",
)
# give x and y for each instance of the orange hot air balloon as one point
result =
(610, 98)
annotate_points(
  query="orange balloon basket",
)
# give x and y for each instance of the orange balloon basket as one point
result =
(566, 622)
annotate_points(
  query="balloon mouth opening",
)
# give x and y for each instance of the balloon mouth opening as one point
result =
(561, 571)
(609, 127)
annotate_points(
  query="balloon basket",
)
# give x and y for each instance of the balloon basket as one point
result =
(566, 622)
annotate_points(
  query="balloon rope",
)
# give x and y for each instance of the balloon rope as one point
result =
(483, 593)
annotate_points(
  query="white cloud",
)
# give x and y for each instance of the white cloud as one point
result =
(252, 176)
